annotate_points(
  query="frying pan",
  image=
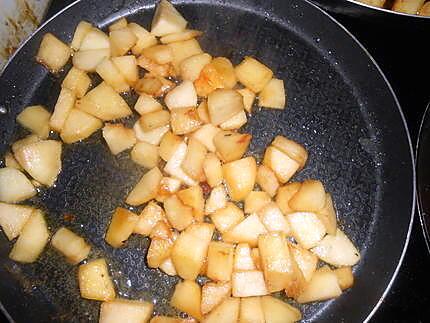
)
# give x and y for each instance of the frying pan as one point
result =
(423, 174)
(340, 106)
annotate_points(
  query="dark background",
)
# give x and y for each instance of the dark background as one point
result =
(401, 51)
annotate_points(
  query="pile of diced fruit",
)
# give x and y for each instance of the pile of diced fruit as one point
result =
(272, 235)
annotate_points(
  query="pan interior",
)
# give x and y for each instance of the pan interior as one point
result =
(328, 112)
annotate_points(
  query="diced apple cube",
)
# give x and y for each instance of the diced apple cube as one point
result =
(231, 145)
(95, 282)
(153, 120)
(253, 74)
(42, 160)
(53, 53)
(191, 67)
(76, 81)
(14, 186)
(11, 162)
(168, 145)
(220, 261)
(184, 49)
(168, 268)
(224, 104)
(227, 217)
(267, 180)
(160, 54)
(155, 69)
(311, 197)
(144, 38)
(337, 250)
(226, 71)
(226, 312)
(88, 60)
(205, 135)
(13, 218)
(194, 159)
(78, 126)
(121, 227)
(158, 251)
(283, 166)
(246, 231)
(162, 230)
(148, 218)
(180, 36)
(248, 283)
(167, 20)
(276, 261)
(273, 95)
(306, 228)
(306, 260)
(72, 246)
(32, 239)
(208, 80)
(127, 65)
(327, 215)
(235, 122)
(36, 119)
(293, 149)
(119, 24)
(121, 41)
(251, 310)
(276, 311)
(182, 96)
(152, 137)
(125, 310)
(239, 176)
(217, 199)
(322, 286)
(168, 187)
(193, 197)
(214, 294)
(173, 166)
(255, 200)
(81, 31)
(112, 75)
(273, 219)
(17, 145)
(187, 298)
(248, 98)
(94, 39)
(345, 277)
(118, 137)
(65, 103)
(242, 258)
(145, 155)
(190, 249)
(213, 170)
(104, 103)
(184, 120)
(285, 193)
(179, 215)
(146, 189)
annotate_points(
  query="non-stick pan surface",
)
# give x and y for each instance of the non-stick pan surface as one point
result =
(340, 107)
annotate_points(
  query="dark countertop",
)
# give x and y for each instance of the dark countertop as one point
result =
(402, 56)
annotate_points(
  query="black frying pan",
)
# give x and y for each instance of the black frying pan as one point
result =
(340, 107)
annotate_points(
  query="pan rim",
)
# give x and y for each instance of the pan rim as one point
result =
(397, 103)
(424, 227)
(388, 11)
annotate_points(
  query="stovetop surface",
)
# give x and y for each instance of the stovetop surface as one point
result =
(404, 58)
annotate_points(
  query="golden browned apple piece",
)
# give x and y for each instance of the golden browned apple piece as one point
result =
(146, 104)
(214, 294)
(193, 197)
(127, 66)
(267, 180)
(82, 29)
(253, 74)
(120, 23)
(191, 67)
(145, 154)
(121, 227)
(42, 160)
(173, 165)
(220, 261)
(282, 165)
(159, 250)
(76, 81)
(255, 200)
(224, 104)
(65, 103)
(239, 176)
(72, 246)
(242, 258)
(306, 228)
(156, 119)
(246, 231)
(251, 310)
(273, 95)
(36, 119)
(217, 199)
(227, 217)
(32, 239)
(118, 137)
(112, 75)
(184, 121)
(168, 268)
(179, 215)
(208, 80)
(10, 161)
(194, 159)
(291, 148)
(125, 310)
(248, 98)
(88, 60)
(53, 53)
(79, 125)
(168, 145)
(168, 187)
(305, 259)
(276, 311)
(310, 197)
(273, 219)
(167, 20)
(146, 189)
(190, 249)
(187, 298)
(159, 54)
(226, 312)
(121, 41)
(322, 286)
(14, 186)
(95, 282)
(182, 50)
(285, 193)
(152, 137)
(182, 96)
(213, 170)
(231, 145)
(13, 218)
(345, 277)
(411, 7)
(94, 39)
